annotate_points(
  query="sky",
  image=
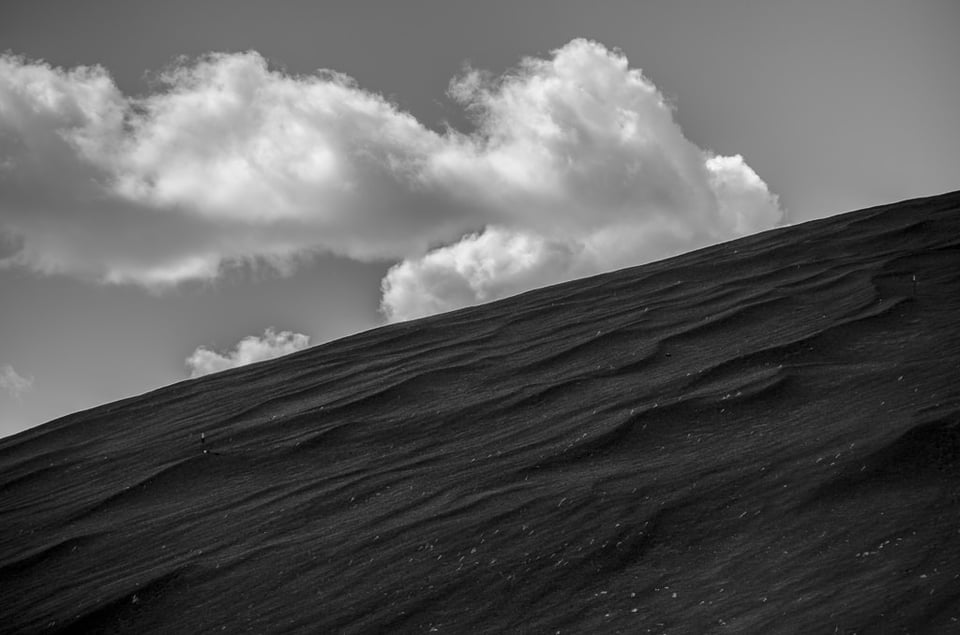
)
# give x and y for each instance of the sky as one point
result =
(190, 186)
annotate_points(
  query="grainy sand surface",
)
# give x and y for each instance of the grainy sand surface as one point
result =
(761, 436)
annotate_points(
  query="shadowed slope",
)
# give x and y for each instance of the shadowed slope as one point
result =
(759, 436)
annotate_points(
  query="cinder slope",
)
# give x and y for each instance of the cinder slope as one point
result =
(762, 436)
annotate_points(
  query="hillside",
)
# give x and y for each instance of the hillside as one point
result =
(761, 436)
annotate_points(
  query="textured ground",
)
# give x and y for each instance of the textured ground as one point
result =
(762, 436)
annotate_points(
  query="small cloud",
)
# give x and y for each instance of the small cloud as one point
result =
(13, 382)
(204, 361)
(493, 264)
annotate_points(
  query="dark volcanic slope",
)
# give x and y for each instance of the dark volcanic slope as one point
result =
(762, 436)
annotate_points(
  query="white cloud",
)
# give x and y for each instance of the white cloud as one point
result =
(577, 166)
(484, 266)
(204, 361)
(13, 382)
(230, 161)
(582, 164)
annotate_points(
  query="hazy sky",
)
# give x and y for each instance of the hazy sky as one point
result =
(185, 186)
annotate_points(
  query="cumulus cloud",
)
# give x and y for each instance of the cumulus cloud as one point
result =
(585, 169)
(231, 161)
(576, 166)
(14, 383)
(271, 344)
(483, 266)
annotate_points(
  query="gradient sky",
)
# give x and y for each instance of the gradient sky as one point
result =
(835, 105)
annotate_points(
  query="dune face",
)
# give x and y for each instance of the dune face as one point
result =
(761, 436)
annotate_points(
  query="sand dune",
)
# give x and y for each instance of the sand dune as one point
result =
(761, 436)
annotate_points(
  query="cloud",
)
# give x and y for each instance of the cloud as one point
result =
(231, 161)
(204, 361)
(580, 161)
(13, 382)
(576, 166)
(481, 267)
